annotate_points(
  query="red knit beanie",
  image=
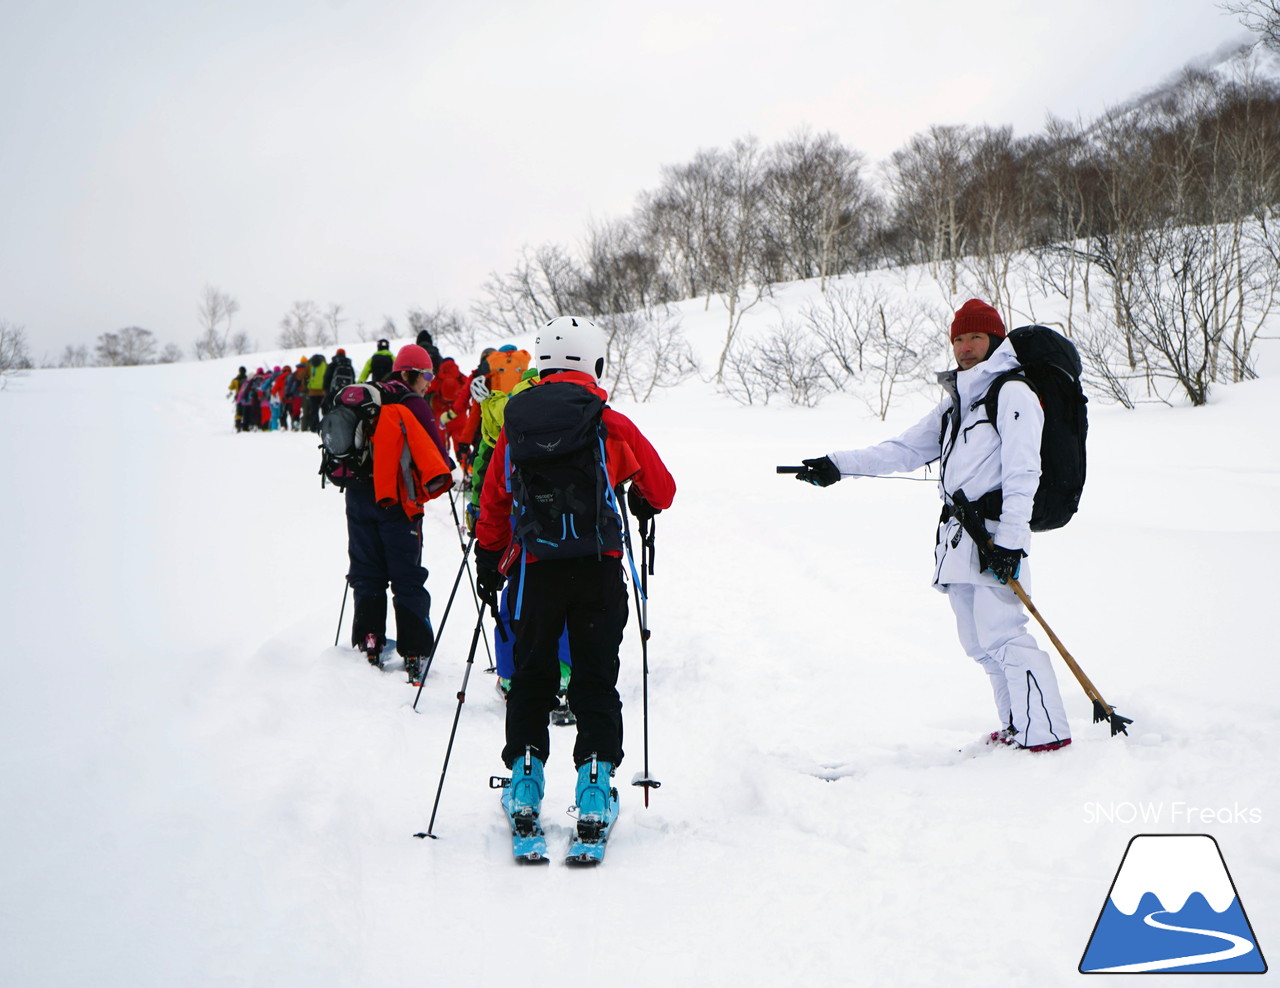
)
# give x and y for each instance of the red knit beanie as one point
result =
(975, 316)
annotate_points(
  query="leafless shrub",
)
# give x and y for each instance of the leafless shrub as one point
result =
(647, 351)
(14, 357)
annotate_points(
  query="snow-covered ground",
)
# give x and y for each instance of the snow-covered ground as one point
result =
(200, 790)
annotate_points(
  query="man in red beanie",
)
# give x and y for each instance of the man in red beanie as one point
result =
(997, 466)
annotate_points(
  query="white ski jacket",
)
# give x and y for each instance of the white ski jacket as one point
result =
(980, 458)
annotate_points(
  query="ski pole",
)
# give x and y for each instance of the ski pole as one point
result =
(462, 698)
(346, 585)
(493, 666)
(1102, 710)
(466, 551)
(641, 594)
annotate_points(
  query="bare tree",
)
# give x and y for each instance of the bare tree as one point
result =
(675, 220)
(1262, 17)
(733, 235)
(332, 319)
(927, 179)
(302, 326)
(646, 350)
(214, 313)
(127, 348)
(819, 207)
(841, 319)
(748, 379)
(74, 356)
(904, 348)
(14, 357)
(621, 272)
(544, 284)
(448, 327)
(171, 354)
(794, 358)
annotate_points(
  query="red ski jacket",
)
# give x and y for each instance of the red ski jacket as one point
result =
(628, 456)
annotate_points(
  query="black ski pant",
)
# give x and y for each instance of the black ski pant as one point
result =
(311, 413)
(384, 545)
(587, 597)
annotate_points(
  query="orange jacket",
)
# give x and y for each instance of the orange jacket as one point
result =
(407, 466)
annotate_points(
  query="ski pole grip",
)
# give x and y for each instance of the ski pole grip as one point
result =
(789, 469)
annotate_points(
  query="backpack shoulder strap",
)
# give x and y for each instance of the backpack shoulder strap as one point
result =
(991, 400)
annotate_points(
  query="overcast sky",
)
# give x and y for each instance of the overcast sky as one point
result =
(382, 153)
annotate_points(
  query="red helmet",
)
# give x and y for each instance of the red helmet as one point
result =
(413, 357)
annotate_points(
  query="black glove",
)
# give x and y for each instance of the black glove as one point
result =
(820, 472)
(642, 509)
(1004, 563)
(489, 579)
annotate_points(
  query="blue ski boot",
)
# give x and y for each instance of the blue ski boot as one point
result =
(522, 801)
(597, 800)
(597, 809)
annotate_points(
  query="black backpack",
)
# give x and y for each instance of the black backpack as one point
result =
(346, 434)
(1051, 368)
(562, 505)
(380, 366)
(342, 376)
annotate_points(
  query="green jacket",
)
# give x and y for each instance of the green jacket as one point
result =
(493, 411)
(368, 364)
(315, 383)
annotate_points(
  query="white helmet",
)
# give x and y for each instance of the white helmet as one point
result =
(479, 388)
(570, 343)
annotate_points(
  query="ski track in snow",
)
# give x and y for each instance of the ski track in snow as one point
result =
(201, 790)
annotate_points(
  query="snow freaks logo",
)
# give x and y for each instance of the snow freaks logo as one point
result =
(1172, 908)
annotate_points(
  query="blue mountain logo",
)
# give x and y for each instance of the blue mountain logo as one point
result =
(1173, 909)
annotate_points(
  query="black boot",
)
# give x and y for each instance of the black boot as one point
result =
(369, 627)
(414, 636)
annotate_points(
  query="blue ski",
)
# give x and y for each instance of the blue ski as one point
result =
(588, 847)
(528, 841)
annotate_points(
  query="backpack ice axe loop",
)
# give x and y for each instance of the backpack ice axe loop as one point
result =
(970, 521)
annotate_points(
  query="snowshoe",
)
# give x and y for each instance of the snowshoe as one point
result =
(413, 668)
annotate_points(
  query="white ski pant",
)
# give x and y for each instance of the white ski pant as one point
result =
(993, 632)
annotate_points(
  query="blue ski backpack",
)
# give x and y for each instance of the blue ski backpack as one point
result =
(562, 504)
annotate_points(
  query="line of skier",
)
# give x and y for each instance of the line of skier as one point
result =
(548, 467)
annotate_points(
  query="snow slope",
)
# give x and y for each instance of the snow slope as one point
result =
(201, 790)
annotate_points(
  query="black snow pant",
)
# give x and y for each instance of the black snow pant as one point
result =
(384, 546)
(311, 413)
(588, 597)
